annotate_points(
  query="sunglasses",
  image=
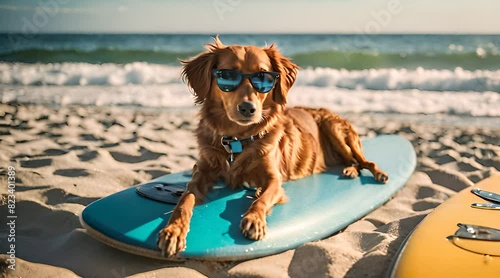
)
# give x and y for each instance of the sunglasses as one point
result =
(229, 80)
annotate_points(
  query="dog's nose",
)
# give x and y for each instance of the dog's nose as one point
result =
(247, 108)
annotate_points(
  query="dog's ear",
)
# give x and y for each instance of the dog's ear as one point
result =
(197, 72)
(287, 70)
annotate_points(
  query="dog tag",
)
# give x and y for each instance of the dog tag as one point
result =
(230, 159)
(236, 146)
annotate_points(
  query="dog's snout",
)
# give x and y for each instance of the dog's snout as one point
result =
(247, 108)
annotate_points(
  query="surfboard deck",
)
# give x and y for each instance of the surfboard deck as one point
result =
(427, 252)
(317, 207)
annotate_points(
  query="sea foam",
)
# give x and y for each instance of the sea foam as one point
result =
(84, 74)
(421, 91)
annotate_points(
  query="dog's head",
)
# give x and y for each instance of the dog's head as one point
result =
(215, 77)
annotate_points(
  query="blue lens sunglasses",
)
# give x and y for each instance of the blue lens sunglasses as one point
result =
(229, 80)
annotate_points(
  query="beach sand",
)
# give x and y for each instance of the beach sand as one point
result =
(68, 157)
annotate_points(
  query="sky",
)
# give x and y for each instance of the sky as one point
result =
(250, 16)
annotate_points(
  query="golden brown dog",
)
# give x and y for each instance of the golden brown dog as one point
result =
(277, 143)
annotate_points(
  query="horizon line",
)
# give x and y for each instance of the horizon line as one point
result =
(246, 33)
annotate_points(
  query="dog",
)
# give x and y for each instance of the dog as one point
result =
(246, 135)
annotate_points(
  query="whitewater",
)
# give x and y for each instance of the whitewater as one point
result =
(420, 91)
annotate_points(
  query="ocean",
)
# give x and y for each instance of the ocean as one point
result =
(398, 74)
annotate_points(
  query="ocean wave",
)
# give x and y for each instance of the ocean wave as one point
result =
(402, 102)
(85, 74)
(374, 60)
(458, 80)
(95, 56)
(481, 58)
(174, 95)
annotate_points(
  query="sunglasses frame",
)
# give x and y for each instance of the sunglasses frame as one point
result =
(275, 75)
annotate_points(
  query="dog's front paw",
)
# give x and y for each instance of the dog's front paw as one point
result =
(351, 172)
(381, 177)
(172, 240)
(253, 225)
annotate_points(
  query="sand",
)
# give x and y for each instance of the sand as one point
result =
(67, 157)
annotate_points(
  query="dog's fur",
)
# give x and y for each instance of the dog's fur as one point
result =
(299, 141)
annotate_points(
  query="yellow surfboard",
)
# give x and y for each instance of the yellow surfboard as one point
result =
(431, 252)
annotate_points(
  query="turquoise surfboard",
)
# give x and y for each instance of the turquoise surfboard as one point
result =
(317, 207)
